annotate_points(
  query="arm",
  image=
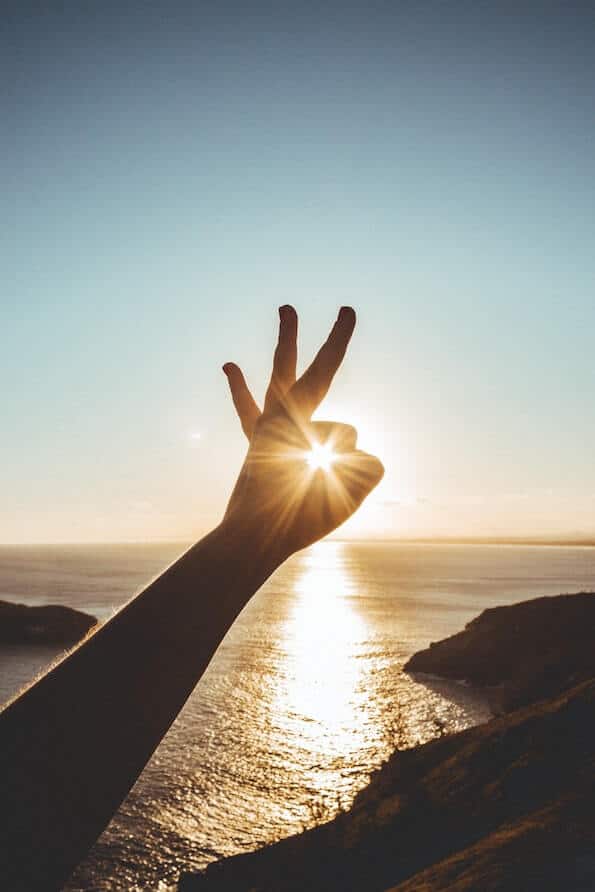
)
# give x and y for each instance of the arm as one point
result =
(74, 743)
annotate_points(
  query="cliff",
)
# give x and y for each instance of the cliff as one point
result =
(51, 624)
(505, 806)
(522, 653)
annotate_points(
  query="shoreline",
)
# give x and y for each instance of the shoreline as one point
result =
(506, 804)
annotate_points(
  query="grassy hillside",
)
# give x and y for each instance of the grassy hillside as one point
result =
(505, 806)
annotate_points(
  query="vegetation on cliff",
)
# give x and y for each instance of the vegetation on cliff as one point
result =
(506, 806)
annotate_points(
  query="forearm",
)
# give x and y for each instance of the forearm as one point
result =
(73, 744)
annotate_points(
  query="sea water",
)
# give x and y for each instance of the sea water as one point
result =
(305, 697)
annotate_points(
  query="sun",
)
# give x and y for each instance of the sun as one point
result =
(321, 457)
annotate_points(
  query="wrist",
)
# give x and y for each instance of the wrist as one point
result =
(260, 547)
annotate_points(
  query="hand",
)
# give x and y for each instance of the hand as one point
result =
(280, 491)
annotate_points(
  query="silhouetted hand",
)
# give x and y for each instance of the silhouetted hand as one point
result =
(281, 491)
(111, 700)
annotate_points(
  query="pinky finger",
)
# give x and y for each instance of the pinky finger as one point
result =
(245, 405)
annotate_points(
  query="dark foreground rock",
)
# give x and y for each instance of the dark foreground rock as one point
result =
(52, 624)
(506, 806)
(521, 653)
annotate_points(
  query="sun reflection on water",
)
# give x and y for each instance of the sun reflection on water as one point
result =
(323, 687)
(304, 699)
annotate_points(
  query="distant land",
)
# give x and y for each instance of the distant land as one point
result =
(48, 624)
(586, 541)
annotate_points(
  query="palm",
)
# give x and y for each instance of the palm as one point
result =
(294, 503)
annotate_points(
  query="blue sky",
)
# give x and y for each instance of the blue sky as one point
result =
(172, 173)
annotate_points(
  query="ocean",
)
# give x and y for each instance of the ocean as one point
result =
(305, 697)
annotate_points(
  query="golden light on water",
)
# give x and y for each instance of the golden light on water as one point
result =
(324, 688)
(305, 698)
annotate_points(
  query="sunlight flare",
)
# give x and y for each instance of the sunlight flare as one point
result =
(321, 457)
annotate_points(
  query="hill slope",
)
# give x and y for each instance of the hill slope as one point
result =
(505, 806)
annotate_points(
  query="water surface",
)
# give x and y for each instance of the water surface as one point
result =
(305, 696)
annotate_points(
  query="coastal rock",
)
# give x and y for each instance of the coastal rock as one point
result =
(520, 653)
(50, 624)
(503, 806)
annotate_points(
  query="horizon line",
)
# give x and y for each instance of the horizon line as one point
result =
(587, 540)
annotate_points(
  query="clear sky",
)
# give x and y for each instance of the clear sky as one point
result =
(172, 172)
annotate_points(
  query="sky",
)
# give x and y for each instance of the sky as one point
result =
(172, 173)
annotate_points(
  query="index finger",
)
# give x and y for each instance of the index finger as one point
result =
(309, 390)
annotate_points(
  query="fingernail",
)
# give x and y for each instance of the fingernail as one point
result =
(284, 310)
(227, 368)
(346, 311)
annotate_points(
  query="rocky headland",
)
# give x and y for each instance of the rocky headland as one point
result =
(50, 624)
(519, 654)
(506, 806)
